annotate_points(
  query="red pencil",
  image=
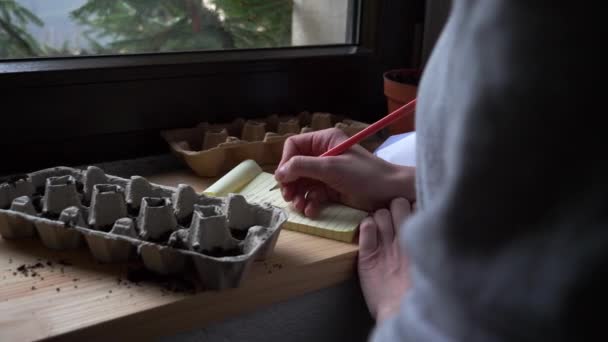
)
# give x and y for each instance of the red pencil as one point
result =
(368, 131)
(371, 129)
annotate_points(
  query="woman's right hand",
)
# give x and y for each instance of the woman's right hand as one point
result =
(356, 178)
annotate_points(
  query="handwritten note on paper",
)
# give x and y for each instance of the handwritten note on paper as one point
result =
(335, 221)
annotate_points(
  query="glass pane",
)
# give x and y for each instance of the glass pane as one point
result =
(52, 28)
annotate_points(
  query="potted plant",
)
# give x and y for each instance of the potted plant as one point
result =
(400, 87)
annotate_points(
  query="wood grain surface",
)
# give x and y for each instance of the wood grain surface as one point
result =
(66, 295)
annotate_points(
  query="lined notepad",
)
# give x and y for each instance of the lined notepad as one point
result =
(335, 221)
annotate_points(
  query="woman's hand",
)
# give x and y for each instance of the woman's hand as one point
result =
(356, 178)
(383, 268)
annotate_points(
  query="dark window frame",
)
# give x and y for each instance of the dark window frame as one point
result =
(90, 109)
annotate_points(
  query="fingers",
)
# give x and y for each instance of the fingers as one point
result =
(304, 167)
(289, 191)
(311, 144)
(308, 197)
(299, 160)
(389, 221)
(368, 236)
(384, 221)
(294, 146)
(300, 164)
(312, 209)
(299, 203)
(299, 198)
(400, 210)
(315, 196)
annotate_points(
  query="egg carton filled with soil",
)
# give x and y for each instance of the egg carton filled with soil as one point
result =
(172, 231)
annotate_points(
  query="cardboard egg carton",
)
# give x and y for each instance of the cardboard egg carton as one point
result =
(172, 231)
(212, 149)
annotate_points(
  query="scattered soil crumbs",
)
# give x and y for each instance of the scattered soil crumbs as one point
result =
(28, 270)
(135, 276)
(33, 270)
(269, 268)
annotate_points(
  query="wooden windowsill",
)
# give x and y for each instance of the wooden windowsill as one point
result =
(84, 300)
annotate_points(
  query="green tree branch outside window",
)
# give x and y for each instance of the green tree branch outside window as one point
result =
(15, 41)
(150, 26)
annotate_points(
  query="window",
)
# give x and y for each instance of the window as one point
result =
(57, 28)
(81, 107)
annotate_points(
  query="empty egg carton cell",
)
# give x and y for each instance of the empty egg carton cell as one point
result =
(241, 214)
(214, 137)
(15, 225)
(56, 234)
(125, 227)
(109, 247)
(189, 238)
(13, 188)
(137, 189)
(209, 232)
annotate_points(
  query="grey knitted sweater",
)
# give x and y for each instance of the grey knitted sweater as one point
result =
(510, 242)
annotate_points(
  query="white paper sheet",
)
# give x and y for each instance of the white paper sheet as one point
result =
(399, 149)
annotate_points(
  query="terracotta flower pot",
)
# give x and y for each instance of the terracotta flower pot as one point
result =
(400, 87)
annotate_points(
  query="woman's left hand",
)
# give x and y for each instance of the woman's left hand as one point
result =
(383, 268)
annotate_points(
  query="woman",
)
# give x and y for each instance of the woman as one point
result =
(510, 237)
